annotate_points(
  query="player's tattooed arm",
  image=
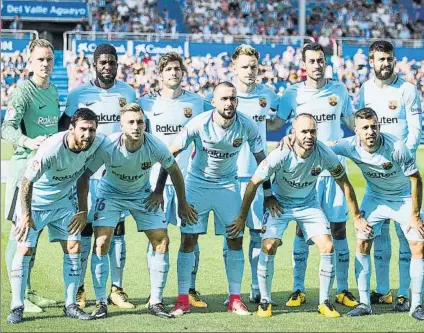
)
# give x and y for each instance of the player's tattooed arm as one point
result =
(361, 224)
(416, 221)
(26, 222)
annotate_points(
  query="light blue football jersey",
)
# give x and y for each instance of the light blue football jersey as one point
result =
(166, 118)
(128, 173)
(398, 107)
(214, 163)
(255, 105)
(386, 171)
(295, 177)
(55, 169)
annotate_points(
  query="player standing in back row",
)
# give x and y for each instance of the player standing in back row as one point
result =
(329, 103)
(105, 96)
(167, 112)
(32, 115)
(398, 106)
(254, 101)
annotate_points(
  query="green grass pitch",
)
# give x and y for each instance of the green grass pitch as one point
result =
(211, 282)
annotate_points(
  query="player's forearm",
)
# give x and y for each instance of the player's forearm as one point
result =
(26, 196)
(12, 133)
(83, 185)
(248, 197)
(178, 181)
(417, 194)
(160, 184)
(350, 195)
(414, 138)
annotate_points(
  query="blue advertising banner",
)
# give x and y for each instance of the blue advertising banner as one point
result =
(88, 47)
(215, 49)
(44, 10)
(400, 52)
(160, 48)
(10, 45)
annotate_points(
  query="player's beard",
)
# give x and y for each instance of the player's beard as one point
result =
(224, 114)
(380, 76)
(83, 145)
(101, 78)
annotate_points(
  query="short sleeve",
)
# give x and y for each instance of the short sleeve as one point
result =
(72, 103)
(254, 139)
(285, 106)
(403, 156)
(271, 164)
(38, 164)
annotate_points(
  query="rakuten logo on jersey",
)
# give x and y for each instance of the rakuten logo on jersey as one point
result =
(386, 120)
(67, 177)
(108, 118)
(48, 121)
(259, 119)
(296, 184)
(379, 174)
(219, 154)
(324, 117)
(169, 129)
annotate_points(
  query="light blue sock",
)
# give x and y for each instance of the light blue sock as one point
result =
(31, 266)
(363, 276)
(71, 276)
(225, 255)
(117, 257)
(417, 282)
(235, 266)
(18, 279)
(382, 254)
(185, 263)
(195, 267)
(404, 263)
(158, 275)
(300, 259)
(100, 274)
(341, 248)
(10, 251)
(255, 245)
(149, 253)
(265, 275)
(326, 276)
(85, 252)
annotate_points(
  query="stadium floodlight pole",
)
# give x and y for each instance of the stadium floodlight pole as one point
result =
(302, 17)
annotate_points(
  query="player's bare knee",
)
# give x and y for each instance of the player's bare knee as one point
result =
(338, 230)
(417, 249)
(188, 241)
(326, 247)
(270, 245)
(162, 245)
(235, 244)
(71, 247)
(363, 246)
(25, 251)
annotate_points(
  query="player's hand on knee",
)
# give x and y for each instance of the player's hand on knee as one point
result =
(416, 223)
(22, 227)
(362, 225)
(187, 213)
(286, 142)
(274, 206)
(77, 223)
(154, 201)
(236, 227)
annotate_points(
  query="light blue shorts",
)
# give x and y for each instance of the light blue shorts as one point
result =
(57, 222)
(256, 212)
(108, 212)
(225, 202)
(92, 197)
(311, 220)
(332, 200)
(377, 211)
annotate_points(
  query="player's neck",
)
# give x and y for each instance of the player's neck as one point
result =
(132, 145)
(221, 121)
(315, 84)
(385, 83)
(302, 152)
(103, 85)
(70, 141)
(41, 82)
(171, 93)
(244, 88)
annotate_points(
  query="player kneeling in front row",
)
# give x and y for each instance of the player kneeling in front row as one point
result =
(296, 172)
(128, 158)
(47, 199)
(393, 191)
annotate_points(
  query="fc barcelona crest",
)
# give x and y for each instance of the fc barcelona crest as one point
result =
(332, 100)
(237, 142)
(387, 165)
(146, 165)
(316, 171)
(122, 102)
(393, 105)
(262, 102)
(188, 112)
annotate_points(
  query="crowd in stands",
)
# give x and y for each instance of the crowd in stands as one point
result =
(14, 70)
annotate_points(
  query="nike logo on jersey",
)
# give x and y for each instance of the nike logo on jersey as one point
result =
(287, 171)
(157, 113)
(115, 166)
(89, 103)
(210, 142)
(60, 170)
(42, 106)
